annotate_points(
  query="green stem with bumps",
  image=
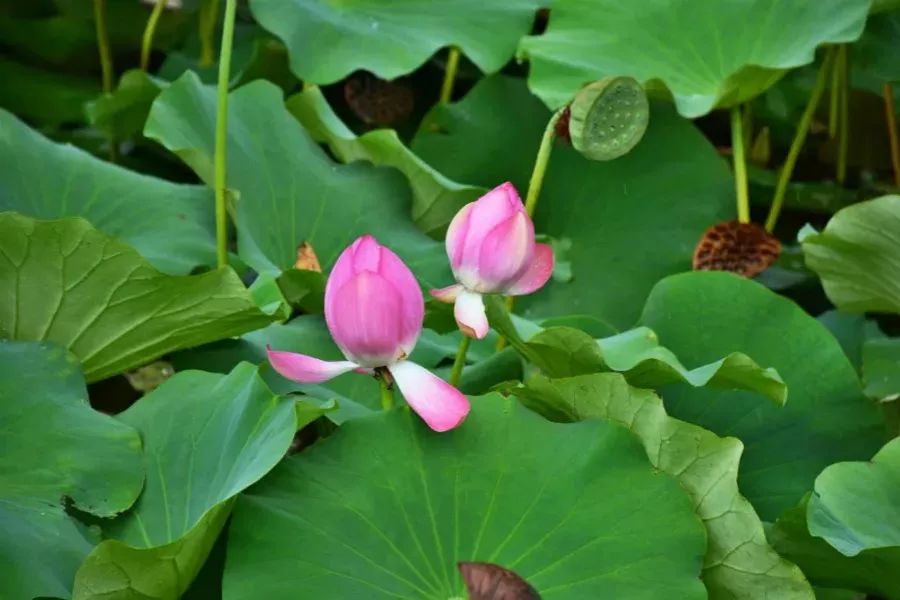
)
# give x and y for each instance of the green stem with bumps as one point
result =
(106, 63)
(541, 161)
(449, 74)
(834, 99)
(460, 360)
(784, 177)
(387, 395)
(221, 133)
(209, 12)
(740, 165)
(540, 164)
(149, 32)
(843, 65)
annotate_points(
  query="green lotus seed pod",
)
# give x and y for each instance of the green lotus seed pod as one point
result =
(608, 117)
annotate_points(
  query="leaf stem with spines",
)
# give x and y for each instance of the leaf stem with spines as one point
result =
(834, 99)
(888, 93)
(784, 177)
(221, 158)
(208, 15)
(843, 66)
(149, 32)
(540, 164)
(106, 63)
(449, 74)
(740, 165)
(541, 161)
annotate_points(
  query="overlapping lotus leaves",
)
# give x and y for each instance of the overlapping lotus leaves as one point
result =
(75, 286)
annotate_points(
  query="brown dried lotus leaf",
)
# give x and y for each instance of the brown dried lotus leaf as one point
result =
(307, 259)
(486, 581)
(379, 102)
(743, 248)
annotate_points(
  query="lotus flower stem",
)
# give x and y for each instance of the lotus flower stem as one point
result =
(374, 311)
(843, 65)
(460, 360)
(221, 133)
(387, 394)
(740, 165)
(106, 62)
(449, 74)
(784, 176)
(208, 15)
(888, 92)
(149, 31)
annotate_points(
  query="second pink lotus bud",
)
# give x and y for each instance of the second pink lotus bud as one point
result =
(492, 250)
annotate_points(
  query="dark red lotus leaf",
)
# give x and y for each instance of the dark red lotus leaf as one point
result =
(486, 581)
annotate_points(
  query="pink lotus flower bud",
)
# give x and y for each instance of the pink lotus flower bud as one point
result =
(491, 248)
(374, 311)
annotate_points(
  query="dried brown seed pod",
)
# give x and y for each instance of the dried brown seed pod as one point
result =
(486, 581)
(377, 101)
(743, 248)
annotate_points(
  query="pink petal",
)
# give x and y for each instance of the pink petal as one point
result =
(367, 254)
(447, 294)
(306, 369)
(456, 235)
(440, 405)
(495, 207)
(505, 251)
(412, 309)
(366, 335)
(536, 274)
(470, 315)
(365, 319)
(341, 272)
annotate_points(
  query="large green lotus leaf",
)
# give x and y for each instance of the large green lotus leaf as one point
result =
(871, 55)
(69, 39)
(707, 54)
(206, 438)
(855, 506)
(328, 41)
(123, 112)
(435, 198)
(857, 257)
(701, 316)
(42, 96)
(169, 224)
(872, 571)
(55, 449)
(739, 562)
(355, 394)
(881, 368)
(669, 189)
(385, 508)
(65, 282)
(288, 191)
(562, 351)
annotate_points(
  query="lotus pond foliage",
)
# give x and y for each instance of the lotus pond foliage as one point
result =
(494, 300)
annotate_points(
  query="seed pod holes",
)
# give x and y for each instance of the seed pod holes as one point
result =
(608, 117)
